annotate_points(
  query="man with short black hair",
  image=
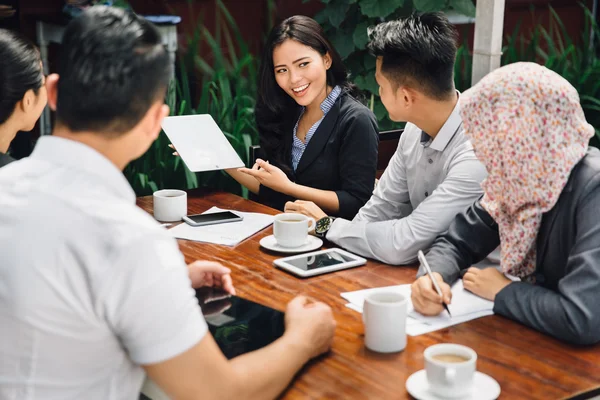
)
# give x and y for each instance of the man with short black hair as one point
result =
(93, 291)
(434, 173)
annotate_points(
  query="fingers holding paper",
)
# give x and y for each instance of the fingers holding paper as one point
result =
(485, 283)
(269, 175)
(424, 297)
(212, 274)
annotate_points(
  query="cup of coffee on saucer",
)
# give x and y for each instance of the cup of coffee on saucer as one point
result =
(384, 316)
(451, 373)
(290, 234)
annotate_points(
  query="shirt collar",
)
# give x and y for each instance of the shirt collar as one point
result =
(449, 129)
(80, 157)
(330, 99)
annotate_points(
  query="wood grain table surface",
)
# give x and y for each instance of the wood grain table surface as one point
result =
(527, 364)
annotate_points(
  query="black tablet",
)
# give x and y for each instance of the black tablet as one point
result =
(239, 325)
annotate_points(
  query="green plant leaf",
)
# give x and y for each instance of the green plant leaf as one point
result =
(465, 7)
(342, 43)
(429, 5)
(337, 12)
(379, 8)
(360, 37)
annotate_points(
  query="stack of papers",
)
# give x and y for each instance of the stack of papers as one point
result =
(228, 234)
(465, 307)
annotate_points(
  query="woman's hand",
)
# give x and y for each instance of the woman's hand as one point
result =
(212, 274)
(307, 208)
(486, 283)
(269, 176)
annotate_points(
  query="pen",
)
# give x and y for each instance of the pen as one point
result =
(424, 263)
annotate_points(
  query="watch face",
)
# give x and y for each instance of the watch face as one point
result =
(323, 225)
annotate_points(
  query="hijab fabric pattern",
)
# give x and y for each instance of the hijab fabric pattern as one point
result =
(528, 128)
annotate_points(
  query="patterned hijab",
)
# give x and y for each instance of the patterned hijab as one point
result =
(528, 129)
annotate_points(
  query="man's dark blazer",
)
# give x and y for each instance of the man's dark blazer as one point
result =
(341, 156)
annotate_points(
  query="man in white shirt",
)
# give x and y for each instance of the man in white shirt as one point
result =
(434, 173)
(93, 291)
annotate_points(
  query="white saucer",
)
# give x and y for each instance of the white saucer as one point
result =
(313, 243)
(484, 388)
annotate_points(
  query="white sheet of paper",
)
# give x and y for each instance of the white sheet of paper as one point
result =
(465, 307)
(201, 143)
(228, 234)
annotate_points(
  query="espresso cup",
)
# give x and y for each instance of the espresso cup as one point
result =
(291, 230)
(384, 317)
(450, 369)
(170, 205)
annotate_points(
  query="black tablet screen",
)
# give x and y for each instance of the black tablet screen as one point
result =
(239, 325)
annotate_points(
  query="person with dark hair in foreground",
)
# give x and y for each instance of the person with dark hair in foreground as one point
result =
(434, 173)
(540, 205)
(22, 86)
(106, 296)
(319, 142)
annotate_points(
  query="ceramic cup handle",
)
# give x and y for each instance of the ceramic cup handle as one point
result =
(311, 224)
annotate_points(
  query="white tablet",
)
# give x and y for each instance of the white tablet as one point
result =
(319, 262)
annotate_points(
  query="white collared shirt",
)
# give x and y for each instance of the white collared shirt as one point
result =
(91, 286)
(425, 185)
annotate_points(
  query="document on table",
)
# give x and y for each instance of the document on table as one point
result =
(201, 143)
(228, 234)
(465, 306)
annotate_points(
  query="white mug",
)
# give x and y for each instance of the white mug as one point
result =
(450, 369)
(169, 205)
(291, 230)
(384, 316)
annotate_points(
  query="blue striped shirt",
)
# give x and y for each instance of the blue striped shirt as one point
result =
(298, 146)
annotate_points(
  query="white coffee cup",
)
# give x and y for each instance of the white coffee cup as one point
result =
(450, 369)
(384, 316)
(291, 230)
(170, 205)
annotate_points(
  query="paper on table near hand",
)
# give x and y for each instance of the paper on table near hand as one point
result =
(228, 234)
(465, 306)
(200, 143)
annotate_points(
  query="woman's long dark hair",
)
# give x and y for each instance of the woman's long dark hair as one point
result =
(276, 111)
(20, 71)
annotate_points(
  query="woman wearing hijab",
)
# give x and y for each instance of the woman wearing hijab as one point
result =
(540, 204)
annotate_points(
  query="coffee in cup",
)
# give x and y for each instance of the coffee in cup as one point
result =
(450, 369)
(384, 316)
(291, 230)
(169, 205)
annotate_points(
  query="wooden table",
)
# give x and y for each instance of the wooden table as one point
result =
(527, 364)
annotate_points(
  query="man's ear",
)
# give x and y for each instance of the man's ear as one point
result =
(155, 116)
(406, 95)
(52, 90)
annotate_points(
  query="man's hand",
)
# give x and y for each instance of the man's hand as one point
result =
(269, 175)
(310, 324)
(212, 274)
(307, 208)
(425, 298)
(486, 283)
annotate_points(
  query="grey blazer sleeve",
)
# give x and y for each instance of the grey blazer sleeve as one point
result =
(470, 238)
(572, 313)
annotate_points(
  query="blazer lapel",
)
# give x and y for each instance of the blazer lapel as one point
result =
(320, 137)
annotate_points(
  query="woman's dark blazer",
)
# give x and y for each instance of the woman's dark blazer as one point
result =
(341, 156)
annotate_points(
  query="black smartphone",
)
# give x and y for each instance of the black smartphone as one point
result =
(238, 325)
(220, 217)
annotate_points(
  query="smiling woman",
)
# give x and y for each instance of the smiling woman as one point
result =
(318, 141)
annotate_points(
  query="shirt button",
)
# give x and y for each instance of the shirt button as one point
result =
(430, 161)
(426, 194)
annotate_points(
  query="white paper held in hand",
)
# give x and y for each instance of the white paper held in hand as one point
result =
(201, 143)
